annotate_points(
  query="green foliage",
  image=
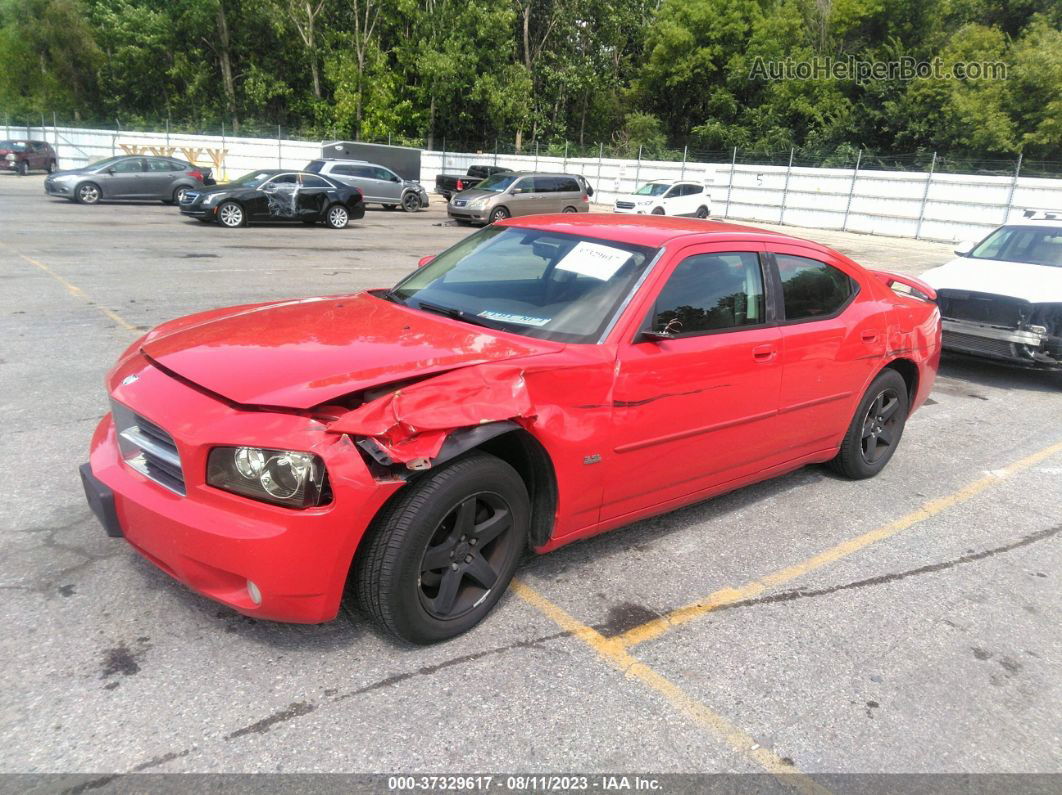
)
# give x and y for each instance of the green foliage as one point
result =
(550, 74)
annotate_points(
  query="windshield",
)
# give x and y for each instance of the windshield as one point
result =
(652, 189)
(253, 179)
(498, 182)
(107, 161)
(15, 146)
(1038, 245)
(533, 282)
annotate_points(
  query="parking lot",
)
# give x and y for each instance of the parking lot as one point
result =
(804, 626)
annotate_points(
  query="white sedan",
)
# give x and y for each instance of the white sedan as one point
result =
(667, 197)
(1002, 298)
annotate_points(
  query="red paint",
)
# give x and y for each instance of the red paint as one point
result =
(673, 421)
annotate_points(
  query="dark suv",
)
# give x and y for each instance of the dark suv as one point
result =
(22, 156)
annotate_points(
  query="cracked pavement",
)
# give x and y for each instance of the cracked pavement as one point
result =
(936, 649)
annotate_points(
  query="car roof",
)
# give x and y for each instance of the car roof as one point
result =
(652, 230)
(339, 160)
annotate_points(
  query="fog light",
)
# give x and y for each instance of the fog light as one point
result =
(254, 593)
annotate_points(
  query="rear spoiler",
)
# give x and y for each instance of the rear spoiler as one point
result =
(918, 288)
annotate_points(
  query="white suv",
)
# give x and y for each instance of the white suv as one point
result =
(667, 197)
(1002, 298)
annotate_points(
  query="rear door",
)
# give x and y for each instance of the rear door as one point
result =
(698, 409)
(834, 335)
(159, 176)
(313, 197)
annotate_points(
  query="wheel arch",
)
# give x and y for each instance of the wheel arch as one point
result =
(909, 371)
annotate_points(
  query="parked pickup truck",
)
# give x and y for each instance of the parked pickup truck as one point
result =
(449, 184)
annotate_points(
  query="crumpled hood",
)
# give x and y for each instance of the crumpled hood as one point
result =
(300, 354)
(1034, 283)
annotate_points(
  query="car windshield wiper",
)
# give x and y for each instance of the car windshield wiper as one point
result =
(393, 297)
(456, 314)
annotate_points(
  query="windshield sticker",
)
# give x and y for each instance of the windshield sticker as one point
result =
(523, 320)
(594, 260)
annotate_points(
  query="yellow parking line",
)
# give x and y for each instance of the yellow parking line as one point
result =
(725, 596)
(73, 289)
(612, 651)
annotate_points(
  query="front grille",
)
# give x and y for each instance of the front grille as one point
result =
(992, 310)
(983, 346)
(148, 449)
(460, 202)
(625, 205)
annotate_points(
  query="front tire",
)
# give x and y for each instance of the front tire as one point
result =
(658, 211)
(231, 214)
(23, 169)
(411, 202)
(87, 193)
(876, 428)
(499, 214)
(337, 217)
(438, 558)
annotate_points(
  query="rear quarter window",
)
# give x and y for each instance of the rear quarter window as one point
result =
(315, 166)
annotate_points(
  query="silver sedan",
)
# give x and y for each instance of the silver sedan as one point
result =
(129, 177)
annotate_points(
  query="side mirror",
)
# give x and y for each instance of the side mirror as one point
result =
(654, 336)
(111, 170)
(964, 248)
(425, 260)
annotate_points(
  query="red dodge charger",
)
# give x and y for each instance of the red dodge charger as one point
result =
(543, 380)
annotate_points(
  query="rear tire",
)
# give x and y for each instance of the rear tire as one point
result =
(22, 169)
(87, 193)
(337, 217)
(178, 193)
(51, 167)
(570, 209)
(702, 212)
(876, 428)
(440, 556)
(231, 215)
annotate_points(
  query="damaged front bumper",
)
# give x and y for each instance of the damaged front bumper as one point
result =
(1029, 347)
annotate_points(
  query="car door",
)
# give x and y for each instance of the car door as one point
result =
(672, 201)
(38, 155)
(279, 197)
(699, 408)
(122, 179)
(158, 178)
(314, 197)
(390, 187)
(834, 338)
(521, 199)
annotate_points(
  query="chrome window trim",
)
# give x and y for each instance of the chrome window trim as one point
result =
(635, 288)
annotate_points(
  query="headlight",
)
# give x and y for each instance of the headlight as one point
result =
(282, 477)
(210, 199)
(477, 203)
(9, 157)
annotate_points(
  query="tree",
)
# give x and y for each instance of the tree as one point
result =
(303, 15)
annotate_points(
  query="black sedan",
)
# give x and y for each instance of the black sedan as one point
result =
(270, 195)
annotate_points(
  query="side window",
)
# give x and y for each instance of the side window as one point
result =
(673, 191)
(693, 190)
(707, 292)
(131, 166)
(545, 184)
(284, 181)
(522, 185)
(156, 165)
(384, 174)
(568, 185)
(310, 181)
(316, 165)
(811, 288)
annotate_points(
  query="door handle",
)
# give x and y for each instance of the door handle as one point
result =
(763, 353)
(870, 336)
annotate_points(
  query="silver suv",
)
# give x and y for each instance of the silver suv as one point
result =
(378, 184)
(520, 193)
